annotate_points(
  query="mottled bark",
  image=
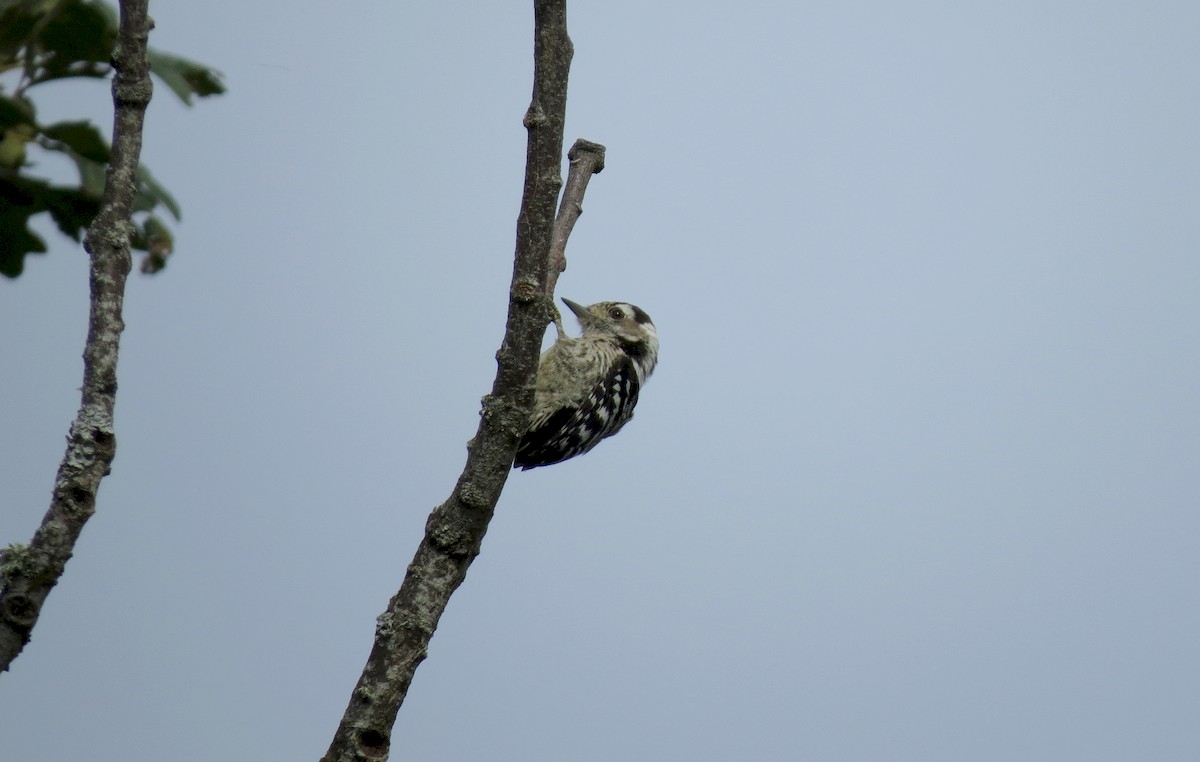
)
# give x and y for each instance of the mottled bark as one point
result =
(29, 572)
(455, 529)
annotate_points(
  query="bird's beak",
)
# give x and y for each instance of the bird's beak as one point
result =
(579, 310)
(586, 319)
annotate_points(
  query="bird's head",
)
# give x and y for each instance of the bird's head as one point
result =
(627, 325)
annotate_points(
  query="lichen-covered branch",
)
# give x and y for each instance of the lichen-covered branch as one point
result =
(455, 529)
(29, 572)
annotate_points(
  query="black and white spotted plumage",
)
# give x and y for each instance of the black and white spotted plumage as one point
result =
(587, 387)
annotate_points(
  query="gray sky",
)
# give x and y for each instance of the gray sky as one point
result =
(916, 478)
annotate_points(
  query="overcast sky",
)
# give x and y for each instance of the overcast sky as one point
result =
(917, 479)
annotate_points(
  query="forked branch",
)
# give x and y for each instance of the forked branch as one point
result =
(455, 529)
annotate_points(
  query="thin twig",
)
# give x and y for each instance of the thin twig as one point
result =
(455, 529)
(29, 572)
(587, 159)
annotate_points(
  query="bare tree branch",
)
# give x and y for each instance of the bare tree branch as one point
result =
(587, 159)
(455, 529)
(29, 572)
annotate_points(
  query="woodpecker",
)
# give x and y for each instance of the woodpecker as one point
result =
(587, 387)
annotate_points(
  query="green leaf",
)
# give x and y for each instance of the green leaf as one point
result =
(186, 78)
(12, 146)
(53, 39)
(14, 111)
(71, 209)
(17, 204)
(16, 129)
(80, 32)
(44, 40)
(151, 190)
(17, 244)
(155, 238)
(81, 137)
(91, 175)
(17, 20)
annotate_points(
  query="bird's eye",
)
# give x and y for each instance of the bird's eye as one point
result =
(615, 313)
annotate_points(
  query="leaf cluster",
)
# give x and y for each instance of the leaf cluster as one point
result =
(49, 40)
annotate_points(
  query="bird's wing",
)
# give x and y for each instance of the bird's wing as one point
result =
(573, 430)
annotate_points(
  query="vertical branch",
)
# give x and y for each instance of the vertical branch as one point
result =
(455, 529)
(29, 572)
